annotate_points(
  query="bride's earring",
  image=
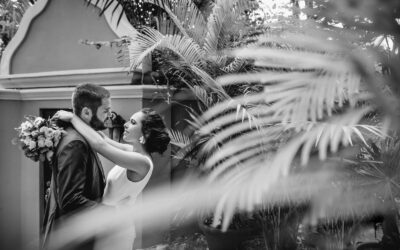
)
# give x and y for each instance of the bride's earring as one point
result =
(141, 140)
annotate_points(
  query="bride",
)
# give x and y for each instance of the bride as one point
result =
(146, 133)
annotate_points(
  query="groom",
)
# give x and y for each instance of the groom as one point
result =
(77, 181)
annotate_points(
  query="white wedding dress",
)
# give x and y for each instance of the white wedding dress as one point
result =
(120, 192)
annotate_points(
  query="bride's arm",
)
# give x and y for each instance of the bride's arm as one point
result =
(133, 161)
(122, 146)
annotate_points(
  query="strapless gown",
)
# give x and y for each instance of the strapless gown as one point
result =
(120, 192)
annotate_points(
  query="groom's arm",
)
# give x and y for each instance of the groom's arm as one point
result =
(71, 178)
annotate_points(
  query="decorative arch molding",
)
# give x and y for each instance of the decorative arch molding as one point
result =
(123, 28)
(18, 38)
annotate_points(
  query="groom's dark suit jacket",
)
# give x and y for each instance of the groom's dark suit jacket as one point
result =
(77, 183)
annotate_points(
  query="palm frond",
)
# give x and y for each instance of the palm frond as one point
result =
(224, 13)
(246, 115)
(104, 5)
(182, 141)
(264, 172)
(195, 121)
(166, 26)
(214, 26)
(177, 8)
(255, 140)
(209, 82)
(326, 136)
(238, 130)
(234, 66)
(307, 95)
(151, 39)
(178, 138)
(203, 96)
(186, 16)
(260, 114)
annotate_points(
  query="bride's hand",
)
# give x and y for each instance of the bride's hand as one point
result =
(63, 115)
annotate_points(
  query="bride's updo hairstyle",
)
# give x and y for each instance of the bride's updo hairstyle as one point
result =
(154, 132)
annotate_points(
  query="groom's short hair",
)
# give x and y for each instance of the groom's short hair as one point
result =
(88, 95)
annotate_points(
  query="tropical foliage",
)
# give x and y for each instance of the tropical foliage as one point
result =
(315, 105)
(320, 93)
(314, 89)
(11, 13)
(313, 97)
(185, 40)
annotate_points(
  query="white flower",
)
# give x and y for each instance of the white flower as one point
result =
(26, 133)
(57, 137)
(49, 154)
(57, 134)
(41, 141)
(34, 133)
(56, 141)
(49, 133)
(43, 129)
(26, 126)
(38, 121)
(48, 143)
(32, 145)
(27, 140)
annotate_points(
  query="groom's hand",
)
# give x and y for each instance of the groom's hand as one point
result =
(60, 123)
(63, 115)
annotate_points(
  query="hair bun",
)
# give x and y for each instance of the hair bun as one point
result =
(154, 132)
(158, 141)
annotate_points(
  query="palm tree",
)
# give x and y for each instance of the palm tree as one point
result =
(190, 39)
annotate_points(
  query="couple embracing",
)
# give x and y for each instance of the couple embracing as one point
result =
(78, 181)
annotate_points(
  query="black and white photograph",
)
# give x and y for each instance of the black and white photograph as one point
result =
(199, 125)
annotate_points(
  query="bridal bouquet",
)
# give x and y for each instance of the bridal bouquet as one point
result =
(38, 138)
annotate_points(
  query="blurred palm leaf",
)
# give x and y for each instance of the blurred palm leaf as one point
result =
(317, 104)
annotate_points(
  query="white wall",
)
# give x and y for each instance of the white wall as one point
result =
(10, 181)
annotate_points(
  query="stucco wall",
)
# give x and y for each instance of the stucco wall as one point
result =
(52, 42)
(10, 182)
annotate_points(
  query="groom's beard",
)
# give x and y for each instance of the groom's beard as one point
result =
(97, 124)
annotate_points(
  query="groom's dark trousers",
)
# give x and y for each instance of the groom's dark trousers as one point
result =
(77, 184)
